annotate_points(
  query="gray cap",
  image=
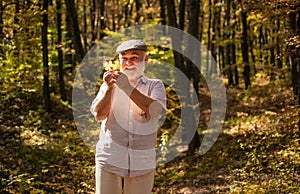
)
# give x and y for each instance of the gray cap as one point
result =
(137, 44)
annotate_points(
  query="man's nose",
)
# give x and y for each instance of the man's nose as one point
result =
(129, 62)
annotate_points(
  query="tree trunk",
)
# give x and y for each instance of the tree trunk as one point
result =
(181, 14)
(75, 32)
(102, 19)
(245, 54)
(1, 29)
(294, 55)
(201, 26)
(188, 119)
(16, 19)
(138, 6)
(213, 66)
(228, 64)
(85, 27)
(61, 81)
(93, 21)
(209, 46)
(171, 13)
(219, 36)
(252, 53)
(193, 29)
(278, 50)
(233, 47)
(272, 47)
(70, 55)
(162, 12)
(233, 59)
(261, 44)
(272, 56)
(266, 43)
(46, 92)
(172, 21)
(128, 13)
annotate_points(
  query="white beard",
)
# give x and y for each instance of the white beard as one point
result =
(136, 74)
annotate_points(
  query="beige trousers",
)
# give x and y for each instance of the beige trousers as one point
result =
(109, 183)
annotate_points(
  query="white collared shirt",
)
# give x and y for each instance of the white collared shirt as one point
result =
(127, 138)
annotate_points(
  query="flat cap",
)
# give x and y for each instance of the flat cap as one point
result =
(137, 44)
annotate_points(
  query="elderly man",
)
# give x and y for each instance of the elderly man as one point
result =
(128, 105)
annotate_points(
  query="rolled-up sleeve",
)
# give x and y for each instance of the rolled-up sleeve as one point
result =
(99, 97)
(158, 93)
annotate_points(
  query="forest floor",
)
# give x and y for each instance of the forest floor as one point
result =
(257, 152)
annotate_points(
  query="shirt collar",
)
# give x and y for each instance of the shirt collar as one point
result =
(142, 80)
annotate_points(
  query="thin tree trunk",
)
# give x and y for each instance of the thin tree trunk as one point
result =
(93, 21)
(201, 26)
(233, 47)
(272, 56)
(61, 81)
(208, 58)
(16, 19)
(70, 55)
(252, 53)
(75, 32)
(193, 29)
(149, 15)
(162, 12)
(181, 14)
(172, 21)
(220, 49)
(245, 54)
(213, 66)
(228, 65)
(85, 27)
(102, 19)
(235, 67)
(179, 63)
(294, 55)
(261, 44)
(278, 50)
(266, 53)
(138, 6)
(46, 92)
(120, 15)
(1, 29)
(272, 48)
(128, 13)
(15, 30)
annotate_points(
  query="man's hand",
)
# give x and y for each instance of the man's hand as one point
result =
(123, 82)
(146, 103)
(102, 106)
(110, 78)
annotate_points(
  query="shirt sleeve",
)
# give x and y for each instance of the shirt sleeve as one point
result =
(99, 97)
(158, 93)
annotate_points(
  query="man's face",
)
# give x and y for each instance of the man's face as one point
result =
(133, 63)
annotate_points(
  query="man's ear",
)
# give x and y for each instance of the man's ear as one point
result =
(146, 58)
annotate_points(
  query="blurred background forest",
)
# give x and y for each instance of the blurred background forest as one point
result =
(256, 46)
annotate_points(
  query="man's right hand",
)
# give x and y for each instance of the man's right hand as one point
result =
(109, 78)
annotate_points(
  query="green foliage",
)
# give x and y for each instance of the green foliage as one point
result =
(258, 151)
(43, 153)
